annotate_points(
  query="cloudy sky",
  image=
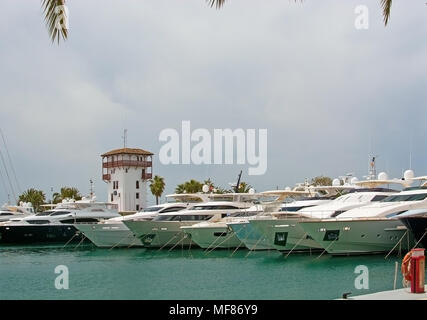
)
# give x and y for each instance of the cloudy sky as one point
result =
(328, 94)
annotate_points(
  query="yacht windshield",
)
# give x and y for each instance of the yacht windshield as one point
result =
(213, 207)
(405, 197)
(44, 213)
(182, 217)
(152, 209)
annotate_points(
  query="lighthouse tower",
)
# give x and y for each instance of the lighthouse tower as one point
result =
(126, 171)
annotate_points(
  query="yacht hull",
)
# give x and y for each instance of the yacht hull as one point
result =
(40, 234)
(213, 237)
(159, 234)
(109, 235)
(358, 237)
(418, 227)
(250, 236)
(285, 235)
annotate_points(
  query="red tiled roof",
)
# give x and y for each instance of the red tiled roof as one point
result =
(127, 151)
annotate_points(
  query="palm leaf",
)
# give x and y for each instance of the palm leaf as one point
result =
(386, 5)
(217, 3)
(52, 16)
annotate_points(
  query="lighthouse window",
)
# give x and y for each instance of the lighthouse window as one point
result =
(137, 195)
(112, 197)
(137, 184)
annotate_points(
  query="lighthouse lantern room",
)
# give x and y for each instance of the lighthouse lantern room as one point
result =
(126, 171)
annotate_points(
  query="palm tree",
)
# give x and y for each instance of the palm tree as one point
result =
(321, 181)
(52, 16)
(192, 186)
(36, 197)
(244, 187)
(157, 186)
(66, 193)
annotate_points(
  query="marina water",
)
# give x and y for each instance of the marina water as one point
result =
(28, 273)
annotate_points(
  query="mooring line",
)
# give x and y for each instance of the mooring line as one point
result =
(254, 248)
(327, 248)
(396, 245)
(69, 240)
(170, 240)
(226, 238)
(84, 237)
(299, 241)
(419, 240)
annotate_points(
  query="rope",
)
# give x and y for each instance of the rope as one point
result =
(170, 240)
(118, 243)
(242, 242)
(299, 241)
(327, 248)
(419, 240)
(69, 240)
(10, 161)
(396, 245)
(180, 241)
(8, 178)
(254, 248)
(226, 238)
(84, 237)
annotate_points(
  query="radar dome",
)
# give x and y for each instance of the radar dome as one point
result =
(382, 176)
(251, 190)
(336, 182)
(408, 175)
(205, 188)
(288, 189)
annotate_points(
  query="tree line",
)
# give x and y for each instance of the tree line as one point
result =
(157, 186)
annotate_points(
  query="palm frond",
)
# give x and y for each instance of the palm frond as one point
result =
(386, 5)
(54, 18)
(217, 3)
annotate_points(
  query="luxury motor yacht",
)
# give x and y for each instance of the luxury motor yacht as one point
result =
(283, 230)
(56, 225)
(114, 233)
(374, 228)
(252, 238)
(165, 229)
(23, 210)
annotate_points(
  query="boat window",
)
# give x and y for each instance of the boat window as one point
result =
(172, 209)
(80, 220)
(38, 221)
(183, 217)
(44, 213)
(379, 197)
(6, 214)
(152, 209)
(405, 197)
(59, 213)
(293, 209)
(213, 207)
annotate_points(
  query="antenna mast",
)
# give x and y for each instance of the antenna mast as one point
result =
(125, 137)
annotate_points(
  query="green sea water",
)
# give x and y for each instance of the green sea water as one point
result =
(28, 273)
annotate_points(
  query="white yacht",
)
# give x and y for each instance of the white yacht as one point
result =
(373, 228)
(22, 210)
(165, 229)
(283, 230)
(114, 233)
(252, 238)
(56, 225)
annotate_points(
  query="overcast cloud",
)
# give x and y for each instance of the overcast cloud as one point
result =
(327, 93)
